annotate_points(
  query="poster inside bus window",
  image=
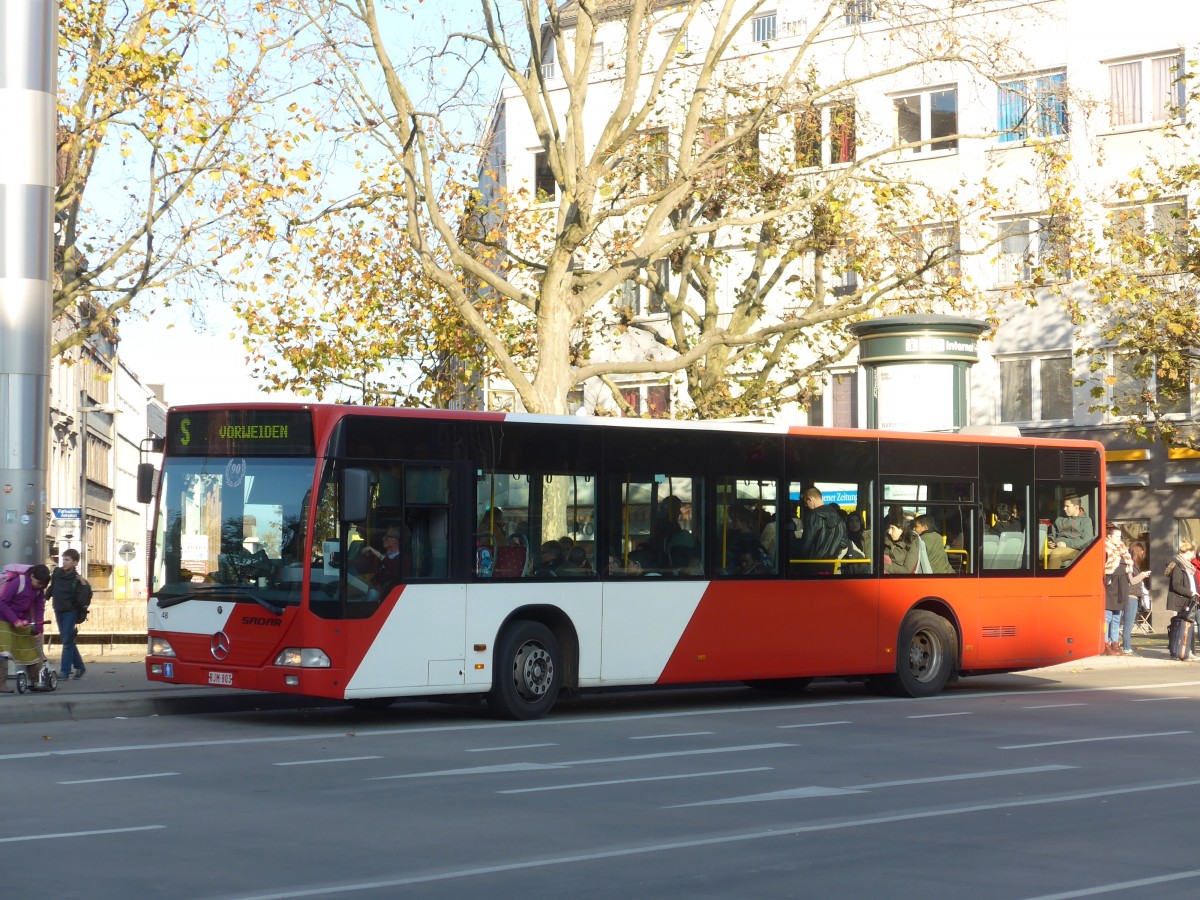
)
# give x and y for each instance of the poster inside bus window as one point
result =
(240, 432)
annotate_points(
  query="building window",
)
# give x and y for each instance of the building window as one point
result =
(597, 63)
(652, 300)
(763, 27)
(1033, 107)
(544, 187)
(928, 120)
(653, 399)
(826, 135)
(1131, 389)
(941, 254)
(1029, 246)
(1151, 237)
(843, 399)
(549, 69)
(1035, 389)
(1145, 90)
(656, 159)
(859, 11)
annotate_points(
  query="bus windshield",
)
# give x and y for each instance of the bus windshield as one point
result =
(231, 529)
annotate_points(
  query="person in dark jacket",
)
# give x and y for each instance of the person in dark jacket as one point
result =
(901, 546)
(70, 596)
(1181, 577)
(824, 534)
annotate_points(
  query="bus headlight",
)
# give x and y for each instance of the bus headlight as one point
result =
(303, 657)
(157, 646)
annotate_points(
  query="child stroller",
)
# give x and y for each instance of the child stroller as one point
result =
(19, 648)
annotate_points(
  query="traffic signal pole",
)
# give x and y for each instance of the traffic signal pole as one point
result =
(28, 85)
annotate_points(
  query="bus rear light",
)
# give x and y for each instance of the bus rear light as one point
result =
(157, 646)
(303, 657)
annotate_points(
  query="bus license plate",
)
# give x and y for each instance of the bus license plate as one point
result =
(224, 678)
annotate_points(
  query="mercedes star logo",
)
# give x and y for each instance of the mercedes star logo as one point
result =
(219, 645)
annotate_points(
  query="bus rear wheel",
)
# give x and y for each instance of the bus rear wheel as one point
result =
(528, 672)
(925, 655)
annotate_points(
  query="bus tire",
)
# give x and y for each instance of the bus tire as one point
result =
(925, 655)
(528, 672)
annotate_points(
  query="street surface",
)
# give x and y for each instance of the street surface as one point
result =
(1018, 786)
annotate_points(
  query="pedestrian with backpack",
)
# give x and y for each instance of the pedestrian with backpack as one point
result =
(70, 596)
(22, 609)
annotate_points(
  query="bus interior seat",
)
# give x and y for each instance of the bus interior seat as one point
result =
(510, 562)
(991, 546)
(1010, 550)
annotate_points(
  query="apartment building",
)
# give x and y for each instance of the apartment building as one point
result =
(1093, 84)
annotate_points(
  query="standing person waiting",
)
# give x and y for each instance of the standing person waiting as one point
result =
(1118, 569)
(70, 597)
(1181, 590)
(1138, 589)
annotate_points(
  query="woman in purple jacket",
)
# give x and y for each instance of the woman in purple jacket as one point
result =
(23, 604)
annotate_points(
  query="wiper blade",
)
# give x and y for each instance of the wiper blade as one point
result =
(233, 592)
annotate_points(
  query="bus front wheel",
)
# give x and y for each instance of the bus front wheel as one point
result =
(528, 672)
(925, 655)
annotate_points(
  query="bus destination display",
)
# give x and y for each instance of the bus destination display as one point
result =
(240, 432)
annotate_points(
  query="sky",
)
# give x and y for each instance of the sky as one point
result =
(195, 365)
(207, 363)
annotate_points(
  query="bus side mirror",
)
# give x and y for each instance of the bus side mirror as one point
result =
(356, 494)
(145, 482)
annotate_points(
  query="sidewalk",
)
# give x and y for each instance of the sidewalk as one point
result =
(115, 686)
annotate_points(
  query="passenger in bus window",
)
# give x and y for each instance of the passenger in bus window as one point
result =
(1006, 519)
(577, 563)
(550, 558)
(749, 564)
(824, 534)
(392, 565)
(901, 551)
(935, 545)
(1069, 534)
(491, 525)
(667, 525)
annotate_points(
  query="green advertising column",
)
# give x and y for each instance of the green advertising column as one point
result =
(916, 368)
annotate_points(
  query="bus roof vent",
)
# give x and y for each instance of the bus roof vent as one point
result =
(1083, 464)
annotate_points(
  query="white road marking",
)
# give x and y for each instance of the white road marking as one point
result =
(70, 834)
(534, 767)
(1091, 740)
(512, 747)
(561, 722)
(587, 784)
(1054, 706)
(821, 791)
(815, 724)
(318, 762)
(474, 770)
(939, 715)
(120, 778)
(774, 833)
(1155, 699)
(1121, 886)
(658, 737)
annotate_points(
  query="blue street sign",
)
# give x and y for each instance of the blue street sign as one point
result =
(67, 512)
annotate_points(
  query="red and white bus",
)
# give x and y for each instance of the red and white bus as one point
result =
(371, 554)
